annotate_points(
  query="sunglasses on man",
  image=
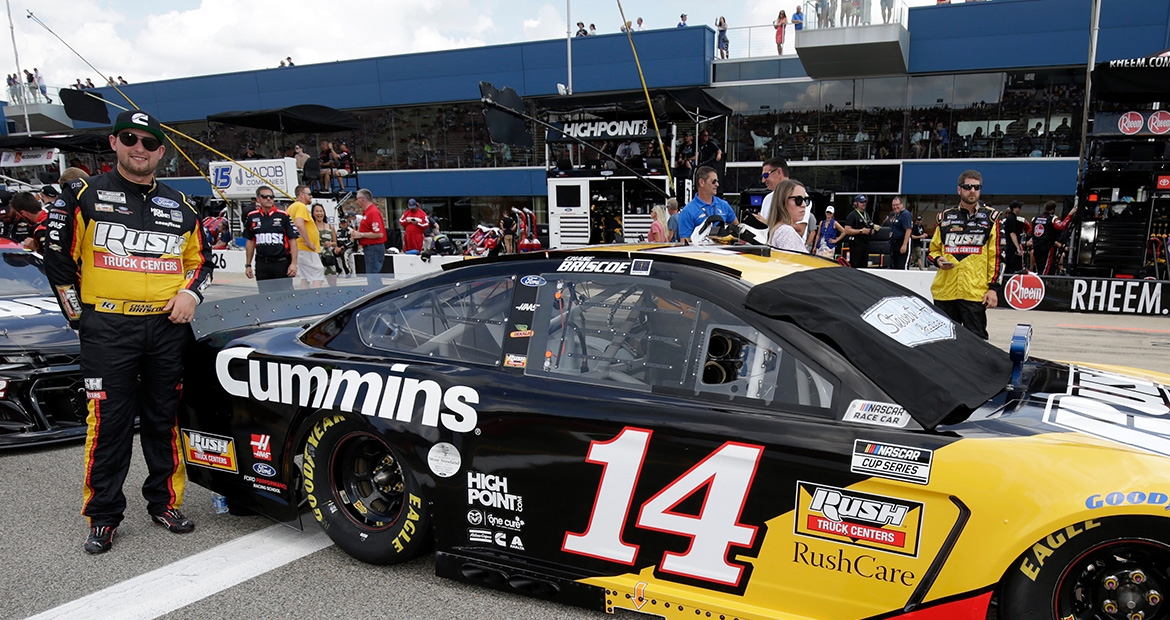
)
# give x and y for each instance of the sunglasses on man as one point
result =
(971, 186)
(130, 139)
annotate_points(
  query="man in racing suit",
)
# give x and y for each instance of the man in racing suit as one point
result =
(1046, 232)
(965, 248)
(128, 260)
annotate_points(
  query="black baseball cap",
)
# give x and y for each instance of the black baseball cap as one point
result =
(49, 190)
(137, 119)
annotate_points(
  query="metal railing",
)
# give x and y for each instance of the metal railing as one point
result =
(760, 41)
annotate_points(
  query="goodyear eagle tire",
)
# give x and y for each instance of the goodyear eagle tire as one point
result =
(1100, 569)
(362, 494)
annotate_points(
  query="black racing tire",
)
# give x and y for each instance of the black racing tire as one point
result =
(362, 493)
(1100, 569)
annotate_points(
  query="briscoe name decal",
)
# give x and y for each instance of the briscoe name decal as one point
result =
(340, 389)
(877, 414)
(210, 451)
(860, 519)
(886, 460)
(1117, 408)
(588, 264)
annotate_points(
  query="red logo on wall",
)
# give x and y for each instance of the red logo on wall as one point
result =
(1164, 182)
(1024, 292)
(1131, 123)
(1160, 122)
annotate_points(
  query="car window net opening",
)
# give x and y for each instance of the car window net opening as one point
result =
(638, 333)
(459, 322)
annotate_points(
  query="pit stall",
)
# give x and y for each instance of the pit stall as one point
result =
(1116, 262)
(596, 199)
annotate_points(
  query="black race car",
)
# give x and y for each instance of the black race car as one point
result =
(692, 433)
(42, 399)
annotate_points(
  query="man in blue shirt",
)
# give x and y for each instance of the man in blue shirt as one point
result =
(683, 21)
(900, 226)
(704, 205)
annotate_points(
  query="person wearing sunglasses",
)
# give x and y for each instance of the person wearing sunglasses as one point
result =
(271, 237)
(965, 248)
(704, 205)
(128, 259)
(789, 208)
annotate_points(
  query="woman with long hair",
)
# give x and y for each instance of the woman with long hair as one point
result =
(327, 244)
(780, 24)
(723, 42)
(658, 226)
(789, 201)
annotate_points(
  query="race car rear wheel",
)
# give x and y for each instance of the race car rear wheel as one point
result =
(1113, 569)
(362, 494)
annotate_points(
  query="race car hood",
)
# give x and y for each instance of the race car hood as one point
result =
(1085, 404)
(34, 324)
(928, 364)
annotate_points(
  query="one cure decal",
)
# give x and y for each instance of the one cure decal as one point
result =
(390, 396)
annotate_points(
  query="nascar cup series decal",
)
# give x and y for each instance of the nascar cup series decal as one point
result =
(909, 321)
(859, 519)
(1117, 408)
(390, 396)
(892, 461)
(877, 414)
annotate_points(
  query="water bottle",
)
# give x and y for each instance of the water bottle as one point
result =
(219, 503)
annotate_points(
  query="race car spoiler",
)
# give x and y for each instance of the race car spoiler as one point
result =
(926, 363)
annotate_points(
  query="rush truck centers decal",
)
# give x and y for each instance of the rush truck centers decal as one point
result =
(886, 460)
(860, 519)
(210, 451)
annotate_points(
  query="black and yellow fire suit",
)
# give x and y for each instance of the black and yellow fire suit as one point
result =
(971, 242)
(116, 252)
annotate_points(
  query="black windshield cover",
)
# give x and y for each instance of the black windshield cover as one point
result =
(932, 368)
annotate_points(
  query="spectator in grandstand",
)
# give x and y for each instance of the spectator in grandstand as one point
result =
(722, 43)
(581, 31)
(780, 23)
(328, 160)
(682, 23)
(797, 20)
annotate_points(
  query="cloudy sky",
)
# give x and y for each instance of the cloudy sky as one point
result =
(145, 40)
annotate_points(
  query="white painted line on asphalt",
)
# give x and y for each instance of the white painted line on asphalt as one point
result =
(192, 579)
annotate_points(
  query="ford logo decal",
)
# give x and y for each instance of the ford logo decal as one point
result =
(264, 469)
(533, 281)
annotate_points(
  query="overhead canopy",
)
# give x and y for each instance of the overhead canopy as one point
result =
(306, 118)
(78, 143)
(1133, 80)
(676, 105)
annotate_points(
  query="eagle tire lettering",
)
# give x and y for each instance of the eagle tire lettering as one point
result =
(361, 492)
(1112, 555)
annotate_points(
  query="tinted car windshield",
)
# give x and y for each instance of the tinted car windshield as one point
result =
(21, 274)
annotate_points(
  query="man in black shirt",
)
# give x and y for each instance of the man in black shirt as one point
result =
(860, 230)
(709, 153)
(1013, 234)
(270, 233)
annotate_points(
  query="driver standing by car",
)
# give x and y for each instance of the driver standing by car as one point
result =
(128, 261)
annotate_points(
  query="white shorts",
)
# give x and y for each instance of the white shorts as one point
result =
(309, 267)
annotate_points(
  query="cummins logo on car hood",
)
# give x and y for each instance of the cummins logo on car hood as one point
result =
(390, 396)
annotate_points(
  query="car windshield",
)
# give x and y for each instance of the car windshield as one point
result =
(21, 273)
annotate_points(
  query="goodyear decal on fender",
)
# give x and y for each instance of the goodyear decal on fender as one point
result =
(877, 414)
(859, 519)
(887, 460)
(210, 451)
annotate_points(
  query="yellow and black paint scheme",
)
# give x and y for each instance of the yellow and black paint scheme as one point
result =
(614, 488)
